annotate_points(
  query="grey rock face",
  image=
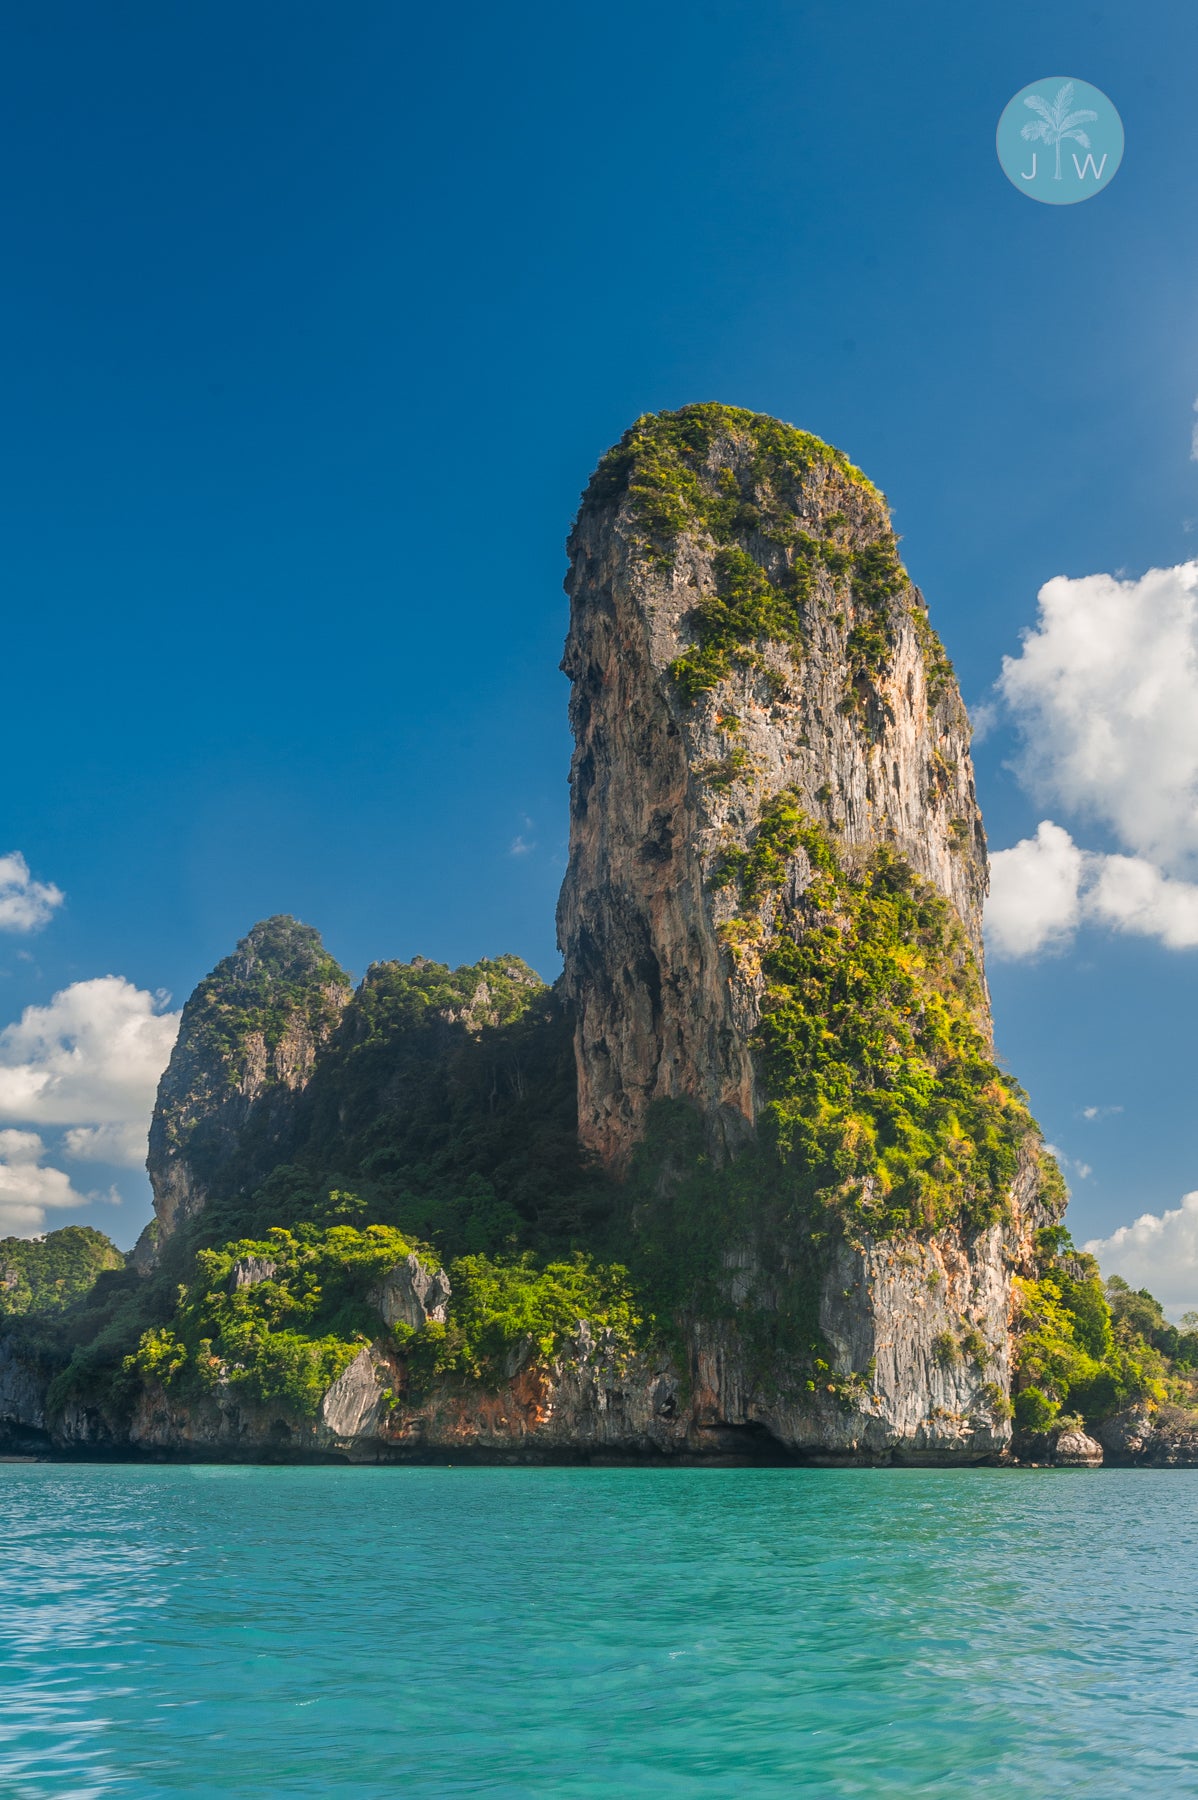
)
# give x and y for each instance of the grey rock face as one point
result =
(355, 1405)
(1125, 1435)
(1075, 1450)
(22, 1393)
(666, 784)
(412, 1294)
(664, 788)
(1142, 1436)
(662, 1012)
(248, 1271)
(247, 1046)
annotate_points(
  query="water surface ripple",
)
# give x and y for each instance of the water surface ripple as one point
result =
(587, 1632)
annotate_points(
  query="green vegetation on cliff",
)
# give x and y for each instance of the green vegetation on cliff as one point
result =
(884, 1095)
(505, 1310)
(663, 463)
(447, 1102)
(279, 975)
(441, 1114)
(1088, 1349)
(444, 1098)
(745, 610)
(878, 578)
(48, 1274)
(248, 1035)
(689, 1222)
(276, 1319)
(886, 1115)
(755, 503)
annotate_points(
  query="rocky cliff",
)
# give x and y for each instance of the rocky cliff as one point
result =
(749, 1182)
(772, 915)
(741, 627)
(247, 1045)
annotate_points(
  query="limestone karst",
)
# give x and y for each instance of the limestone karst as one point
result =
(747, 1180)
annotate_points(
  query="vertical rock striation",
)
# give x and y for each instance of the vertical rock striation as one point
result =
(702, 528)
(773, 914)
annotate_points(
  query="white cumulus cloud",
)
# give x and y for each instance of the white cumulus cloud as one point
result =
(1130, 894)
(1105, 692)
(1158, 1251)
(1035, 893)
(27, 1190)
(122, 1144)
(92, 1057)
(1043, 888)
(25, 904)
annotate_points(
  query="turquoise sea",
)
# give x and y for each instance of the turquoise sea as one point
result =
(596, 1632)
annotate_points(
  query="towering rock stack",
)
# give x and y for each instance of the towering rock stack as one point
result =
(740, 626)
(772, 914)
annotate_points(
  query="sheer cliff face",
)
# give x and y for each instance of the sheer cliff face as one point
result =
(772, 914)
(247, 1044)
(704, 537)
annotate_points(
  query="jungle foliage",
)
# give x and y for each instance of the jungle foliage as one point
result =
(279, 972)
(276, 1319)
(506, 1311)
(47, 1274)
(743, 481)
(1095, 1347)
(443, 1115)
(884, 1095)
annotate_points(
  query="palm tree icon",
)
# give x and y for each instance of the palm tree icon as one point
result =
(1056, 122)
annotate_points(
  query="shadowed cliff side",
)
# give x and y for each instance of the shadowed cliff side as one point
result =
(248, 1042)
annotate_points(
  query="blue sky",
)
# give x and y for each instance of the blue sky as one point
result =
(315, 322)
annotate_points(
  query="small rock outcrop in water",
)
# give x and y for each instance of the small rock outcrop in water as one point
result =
(1077, 1450)
(1151, 1437)
(749, 1182)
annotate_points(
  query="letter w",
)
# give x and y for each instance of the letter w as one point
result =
(1089, 164)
